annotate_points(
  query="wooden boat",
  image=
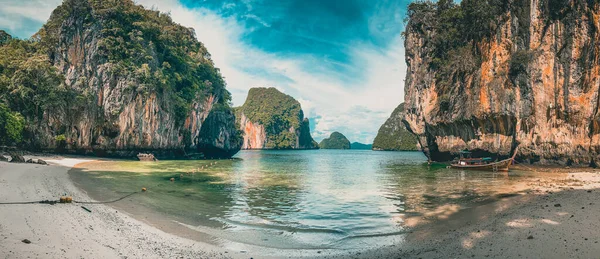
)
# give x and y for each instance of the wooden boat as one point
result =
(485, 163)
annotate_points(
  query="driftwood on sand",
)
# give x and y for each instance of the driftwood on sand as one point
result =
(146, 157)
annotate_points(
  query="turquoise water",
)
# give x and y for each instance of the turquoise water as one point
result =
(319, 199)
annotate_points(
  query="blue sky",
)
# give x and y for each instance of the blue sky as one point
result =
(342, 59)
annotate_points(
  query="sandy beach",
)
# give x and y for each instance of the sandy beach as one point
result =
(69, 231)
(547, 219)
(542, 219)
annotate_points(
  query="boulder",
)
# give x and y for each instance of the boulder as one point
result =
(41, 162)
(16, 158)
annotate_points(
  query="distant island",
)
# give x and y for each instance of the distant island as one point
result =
(335, 141)
(393, 135)
(270, 119)
(356, 145)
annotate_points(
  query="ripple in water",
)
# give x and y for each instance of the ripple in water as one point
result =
(318, 199)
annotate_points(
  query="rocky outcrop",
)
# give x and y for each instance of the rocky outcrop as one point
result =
(335, 141)
(529, 77)
(270, 119)
(141, 83)
(16, 158)
(41, 162)
(393, 135)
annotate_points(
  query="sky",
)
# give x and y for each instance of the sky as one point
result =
(343, 60)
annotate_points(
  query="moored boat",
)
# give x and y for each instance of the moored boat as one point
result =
(466, 161)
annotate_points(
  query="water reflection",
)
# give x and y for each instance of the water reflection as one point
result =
(300, 199)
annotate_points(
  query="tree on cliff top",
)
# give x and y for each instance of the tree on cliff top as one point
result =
(452, 33)
(454, 25)
(335, 141)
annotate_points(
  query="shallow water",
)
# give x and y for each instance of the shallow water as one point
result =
(319, 199)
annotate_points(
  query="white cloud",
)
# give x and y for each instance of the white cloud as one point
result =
(17, 17)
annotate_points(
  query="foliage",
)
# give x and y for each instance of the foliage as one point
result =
(452, 34)
(277, 112)
(556, 9)
(393, 135)
(282, 140)
(28, 82)
(60, 138)
(454, 27)
(335, 141)
(268, 106)
(519, 62)
(11, 126)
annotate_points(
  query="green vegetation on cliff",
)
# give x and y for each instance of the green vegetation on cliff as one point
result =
(335, 141)
(272, 108)
(29, 83)
(280, 115)
(393, 136)
(454, 28)
(11, 126)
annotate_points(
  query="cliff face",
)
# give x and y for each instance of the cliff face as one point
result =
(335, 141)
(393, 135)
(528, 77)
(270, 119)
(137, 82)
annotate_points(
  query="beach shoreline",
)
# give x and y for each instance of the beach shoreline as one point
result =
(499, 228)
(68, 230)
(554, 219)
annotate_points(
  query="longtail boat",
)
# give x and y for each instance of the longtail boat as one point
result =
(466, 161)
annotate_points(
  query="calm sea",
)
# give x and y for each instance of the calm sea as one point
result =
(318, 199)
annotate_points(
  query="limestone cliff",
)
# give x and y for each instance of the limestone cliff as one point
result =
(270, 119)
(124, 79)
(491, 75)
(393, 135)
